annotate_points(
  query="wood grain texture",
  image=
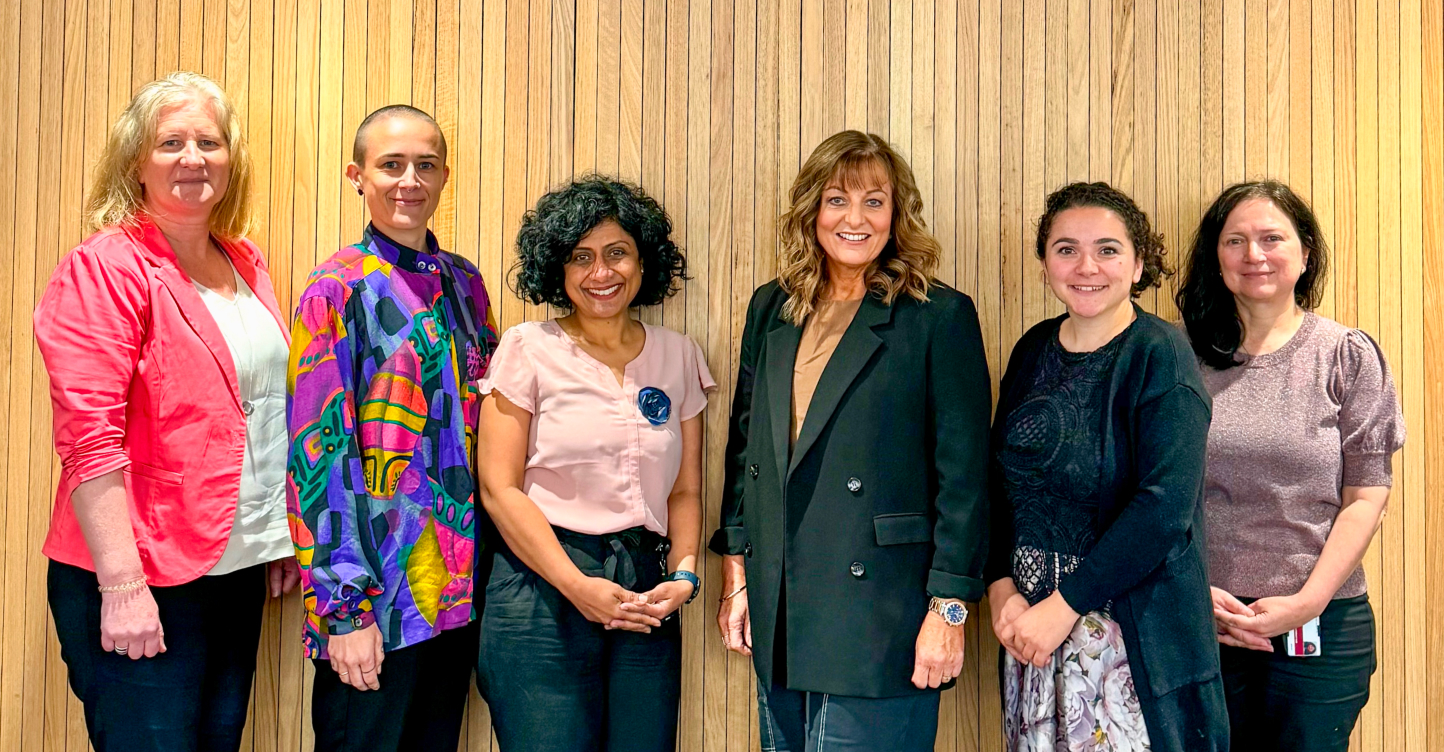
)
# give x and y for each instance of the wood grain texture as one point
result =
(712, 107)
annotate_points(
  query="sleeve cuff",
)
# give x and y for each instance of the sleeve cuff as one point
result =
(728, 541)
(83, 469)
(948, 585)
(358, 620)
(1369, 470)
(1076, 600)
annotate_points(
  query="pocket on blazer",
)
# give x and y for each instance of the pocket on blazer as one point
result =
(897, 529)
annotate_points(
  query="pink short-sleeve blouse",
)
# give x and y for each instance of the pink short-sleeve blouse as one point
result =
(595, 463)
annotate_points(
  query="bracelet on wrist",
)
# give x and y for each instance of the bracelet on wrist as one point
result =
(124, 587)
(733, 594)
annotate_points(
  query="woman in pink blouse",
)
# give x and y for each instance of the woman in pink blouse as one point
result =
(591, 467)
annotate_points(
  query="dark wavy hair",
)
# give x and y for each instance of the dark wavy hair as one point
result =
(1146, 243)
(562, 217)
(1209, 312)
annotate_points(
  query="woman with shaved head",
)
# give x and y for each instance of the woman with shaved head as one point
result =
(389, 340)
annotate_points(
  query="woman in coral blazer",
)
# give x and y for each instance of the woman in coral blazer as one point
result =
(166, 354)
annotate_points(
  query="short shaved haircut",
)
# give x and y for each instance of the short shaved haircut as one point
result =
(358, 147)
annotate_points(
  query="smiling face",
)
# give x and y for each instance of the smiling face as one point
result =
(604, 272)
(188, 168)
(402, 175)
(1090, 262)
(1259, 252)
(854, 221)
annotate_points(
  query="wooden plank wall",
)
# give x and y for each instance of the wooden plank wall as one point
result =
(712, 107)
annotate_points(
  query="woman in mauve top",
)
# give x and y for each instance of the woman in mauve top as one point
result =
(1305, 420)
(591, 469)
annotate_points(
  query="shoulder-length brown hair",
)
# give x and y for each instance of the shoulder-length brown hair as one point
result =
(116, 197)
(906, 263)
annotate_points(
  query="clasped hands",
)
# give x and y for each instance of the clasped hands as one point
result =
(1030, 634)
(607, 603)
(1250, 626)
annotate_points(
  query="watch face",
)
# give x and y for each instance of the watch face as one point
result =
(954, 613)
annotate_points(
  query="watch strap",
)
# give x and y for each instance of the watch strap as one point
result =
(688, 577)
(954, 612)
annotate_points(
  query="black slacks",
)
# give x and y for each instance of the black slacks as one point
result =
(194, 696)
(419, 706)
(1285, 704)
(557, 682)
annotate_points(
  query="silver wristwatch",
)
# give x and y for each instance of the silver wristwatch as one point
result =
(952, 611)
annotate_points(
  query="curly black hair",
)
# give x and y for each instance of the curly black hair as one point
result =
(1146, 243)
(562, 217)
(1210, 314)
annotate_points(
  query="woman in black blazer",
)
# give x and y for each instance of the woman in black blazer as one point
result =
(1096, 569)
(853, 523)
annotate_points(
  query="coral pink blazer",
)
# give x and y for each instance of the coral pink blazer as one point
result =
(141, 380)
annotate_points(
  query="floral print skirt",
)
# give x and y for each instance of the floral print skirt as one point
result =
(1082, 700)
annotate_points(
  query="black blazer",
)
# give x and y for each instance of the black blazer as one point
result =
(882, 501)
(1149, 555)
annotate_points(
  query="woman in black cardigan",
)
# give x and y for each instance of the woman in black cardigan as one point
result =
(854, 518)
(1099, 590)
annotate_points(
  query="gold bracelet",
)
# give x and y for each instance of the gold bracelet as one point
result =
(728, 596)
(124, 587)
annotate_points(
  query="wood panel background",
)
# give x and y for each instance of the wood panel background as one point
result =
(712, 106)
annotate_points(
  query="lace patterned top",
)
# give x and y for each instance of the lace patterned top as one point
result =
(1049, 458)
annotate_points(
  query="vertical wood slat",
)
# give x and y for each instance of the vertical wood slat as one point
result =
(12, 382)
(1414, 685)
(52, 238)
(713, 106)
(66, 708)
(1432, 163)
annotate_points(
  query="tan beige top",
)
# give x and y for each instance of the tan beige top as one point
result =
(820, 336)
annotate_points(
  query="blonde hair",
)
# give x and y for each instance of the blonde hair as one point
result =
(116, 196)
(906, 263)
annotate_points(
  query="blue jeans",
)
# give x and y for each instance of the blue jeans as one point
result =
(557, 682)
(191, 698)
(793, 721)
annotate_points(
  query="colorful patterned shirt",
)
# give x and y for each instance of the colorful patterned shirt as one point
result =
(387, 347)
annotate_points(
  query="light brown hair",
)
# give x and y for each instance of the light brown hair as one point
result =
(116, 196)
(906, 263)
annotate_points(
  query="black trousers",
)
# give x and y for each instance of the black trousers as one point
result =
(793, 721)
(1285, 704)
(195, 695)
(557, 682)
(419, 706)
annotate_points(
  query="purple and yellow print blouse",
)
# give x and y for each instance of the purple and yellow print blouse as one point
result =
(387, 347)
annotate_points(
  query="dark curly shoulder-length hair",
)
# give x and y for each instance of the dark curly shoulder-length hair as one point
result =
(1209, 312)
(1147, 244)
(562, 217)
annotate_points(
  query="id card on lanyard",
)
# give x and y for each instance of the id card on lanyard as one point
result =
(1303, 641)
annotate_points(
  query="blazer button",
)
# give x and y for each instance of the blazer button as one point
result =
(753, 470)
(857, 569)
(747, 549)
(247, 407)
(854, 485)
